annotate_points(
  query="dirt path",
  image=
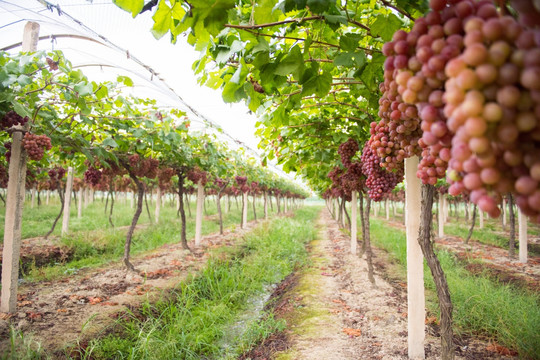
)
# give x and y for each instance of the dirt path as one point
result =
(81, 306)
(336, 313)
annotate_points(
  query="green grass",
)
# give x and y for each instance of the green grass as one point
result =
(192, 322)
(509, 315)
(93, 248)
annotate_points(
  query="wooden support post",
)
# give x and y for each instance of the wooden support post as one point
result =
(199, 214)
(265, 206)
(481, 213)
(80, 202)
(67, 201)
(244, 209)
(354, 226)
(415, 263)
(522, 229)
(336, 209)
(47, 196)
(504, 213)
(440, 221)
(387, 209)
(158, 204)
(33, 197)
(15, 200)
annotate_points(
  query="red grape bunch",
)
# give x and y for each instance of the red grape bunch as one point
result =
(92, 176)
(10, 119)
(143, 167)
(379, 181)
(164, 177)
(197, 174)
(347, 150)
(35, 145)
(241, 181)
(493, 103)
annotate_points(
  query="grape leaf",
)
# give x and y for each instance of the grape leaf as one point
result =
(385, 26)
(132, 6)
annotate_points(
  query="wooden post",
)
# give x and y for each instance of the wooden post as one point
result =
(415, 263)
(387, 209)
(440, 222)
(244, 209)
(481, 213)
(336, 209)
(47, 196)
(199, 215)
(67, 201)
(15, 200)
(445, 209)
(503, 213)
(265, 206)
(33, 198)
(79, 204)
(354, 205)
(522, 229)
(158, 204)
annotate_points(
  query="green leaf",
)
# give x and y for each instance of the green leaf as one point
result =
(110, 142)
(349, 42)
(21, 110)
(386, 26)
(264, 12)
(292, 63)
(83, 88)
(344, 59)
(229, 92)
(132, 6)
(319, 6)
(125, 80)
(318, 84)
(102, 92)
(24, 80)
(162, 20)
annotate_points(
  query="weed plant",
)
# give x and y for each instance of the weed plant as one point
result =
(501, 312)
(193, 321)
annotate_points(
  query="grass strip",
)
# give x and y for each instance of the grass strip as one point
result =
(501, 312)
(196, 319)
(95, 248)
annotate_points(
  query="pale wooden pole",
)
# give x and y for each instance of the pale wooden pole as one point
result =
(33, 199)
(47, 197)
(481, 213)
(79, 204)
(265, 206)
(441, 215)
(354, 205)
(199, 214)
(387, 209)
(503, 213)
(415, 263)
(67, 201)
(244, 209)
(15, 200)
(158, 204)
(336, 209)
(522, 226)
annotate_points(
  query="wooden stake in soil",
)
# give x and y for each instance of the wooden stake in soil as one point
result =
(522, 229)
(481, 213)
(199, 215)
(244, 209)
(441, 216)
(15, 200)
(354, 205)
(158, 204)
(415, 263)
(79, 204)
(67, 201)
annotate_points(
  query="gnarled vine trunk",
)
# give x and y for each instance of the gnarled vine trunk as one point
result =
(135, 219)
(471, 229)
(61, 195)
(183, 237)
(443, 293)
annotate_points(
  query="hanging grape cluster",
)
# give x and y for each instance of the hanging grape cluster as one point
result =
(241, 181)
(143, 167)
(56, 175)
(10, 119)
(165, 177)
(473, 75)
(379, 181)
(197, 174)
(35, 145)
(347, 150)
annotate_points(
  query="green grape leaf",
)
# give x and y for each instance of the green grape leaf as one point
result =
(132, 6)
(385, 26)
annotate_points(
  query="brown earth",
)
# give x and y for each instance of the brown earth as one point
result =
(334, 312)
(82, 306)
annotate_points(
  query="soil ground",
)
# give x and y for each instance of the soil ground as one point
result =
(334, 312)
(332, 309)
(79, 307)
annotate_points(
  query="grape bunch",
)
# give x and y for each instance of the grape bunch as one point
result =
(35, 145)
(147, 167)
(347, 150)
(7, 145)
(241, 181)
(4, 176)
(379, 181)
(92, 176)
(164, 177)
(220, 183)
(10, 119)
(493, 105)
(197, 174)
